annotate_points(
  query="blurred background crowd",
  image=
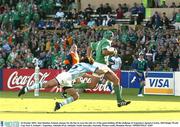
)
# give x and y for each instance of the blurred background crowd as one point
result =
(46, 29)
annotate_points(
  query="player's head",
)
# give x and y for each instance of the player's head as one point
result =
(108, 35)
(86, 59)
(141, 54)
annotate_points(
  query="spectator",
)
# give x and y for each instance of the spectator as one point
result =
(83, 22)
(41, 24)
(59, 13)
(119, 13)
(150, 62)
(177, 21)
(91, 23)
(2, 61)
(99, 21)
(166, 67)
(158, 67)
(156, 20)
(2, 9)
(100, 10)
(150, 3)
(88, 10)
(75, 14)
(156, 3)
(119, 6)
(134, 9)
(164, 5)
(104, 21)
(165, 20)
(127, 61)
(124, 8)
(132, 37)
(174, 61)
(173, 5)
(141, 12)
(110, 21)
(108, 9)
(6, 47)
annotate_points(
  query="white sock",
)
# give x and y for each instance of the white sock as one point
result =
(38, 86)
(67, 101)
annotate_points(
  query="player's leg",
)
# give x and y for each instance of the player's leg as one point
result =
(73, 97)
(90, 82)
(111, 76)
(48, 84)
(142, 84)
(109, 84)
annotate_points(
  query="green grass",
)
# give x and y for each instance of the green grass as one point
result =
(89, 107)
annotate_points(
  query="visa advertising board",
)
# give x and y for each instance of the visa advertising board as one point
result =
(161, 83)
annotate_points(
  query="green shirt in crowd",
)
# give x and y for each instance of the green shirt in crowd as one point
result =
(178, 17)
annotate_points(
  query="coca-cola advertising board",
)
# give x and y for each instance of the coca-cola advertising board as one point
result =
(1, 79)
(15, 79)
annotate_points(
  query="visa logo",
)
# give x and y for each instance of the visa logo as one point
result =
(159, 83)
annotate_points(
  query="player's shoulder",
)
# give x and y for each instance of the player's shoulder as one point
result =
(105, 41)
(84, 64)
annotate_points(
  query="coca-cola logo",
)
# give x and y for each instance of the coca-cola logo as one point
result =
(100, 87)
(18, 81)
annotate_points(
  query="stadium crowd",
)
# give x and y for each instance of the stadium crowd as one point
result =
(26, 32)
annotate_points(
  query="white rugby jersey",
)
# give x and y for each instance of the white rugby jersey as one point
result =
(80, 69)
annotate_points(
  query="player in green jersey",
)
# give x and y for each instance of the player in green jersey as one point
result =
(103, 49)
(140, 65)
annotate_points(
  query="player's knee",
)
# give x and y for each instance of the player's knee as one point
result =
(116, 81)
(75, 96)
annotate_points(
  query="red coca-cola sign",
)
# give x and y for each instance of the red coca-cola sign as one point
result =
(15, 79)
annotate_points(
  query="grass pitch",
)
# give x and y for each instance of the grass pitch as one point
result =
(90, 107)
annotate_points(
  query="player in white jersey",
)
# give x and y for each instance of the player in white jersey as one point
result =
(65, 79)
(114, 62)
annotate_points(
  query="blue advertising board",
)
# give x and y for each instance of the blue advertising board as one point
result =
(126, 78)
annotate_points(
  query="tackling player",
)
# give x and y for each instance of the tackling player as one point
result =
(71, 59)
(65, 79)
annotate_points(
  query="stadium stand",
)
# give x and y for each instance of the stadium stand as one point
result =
(31, 29)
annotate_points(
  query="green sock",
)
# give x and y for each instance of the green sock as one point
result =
(118, 92)
(81, 86)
